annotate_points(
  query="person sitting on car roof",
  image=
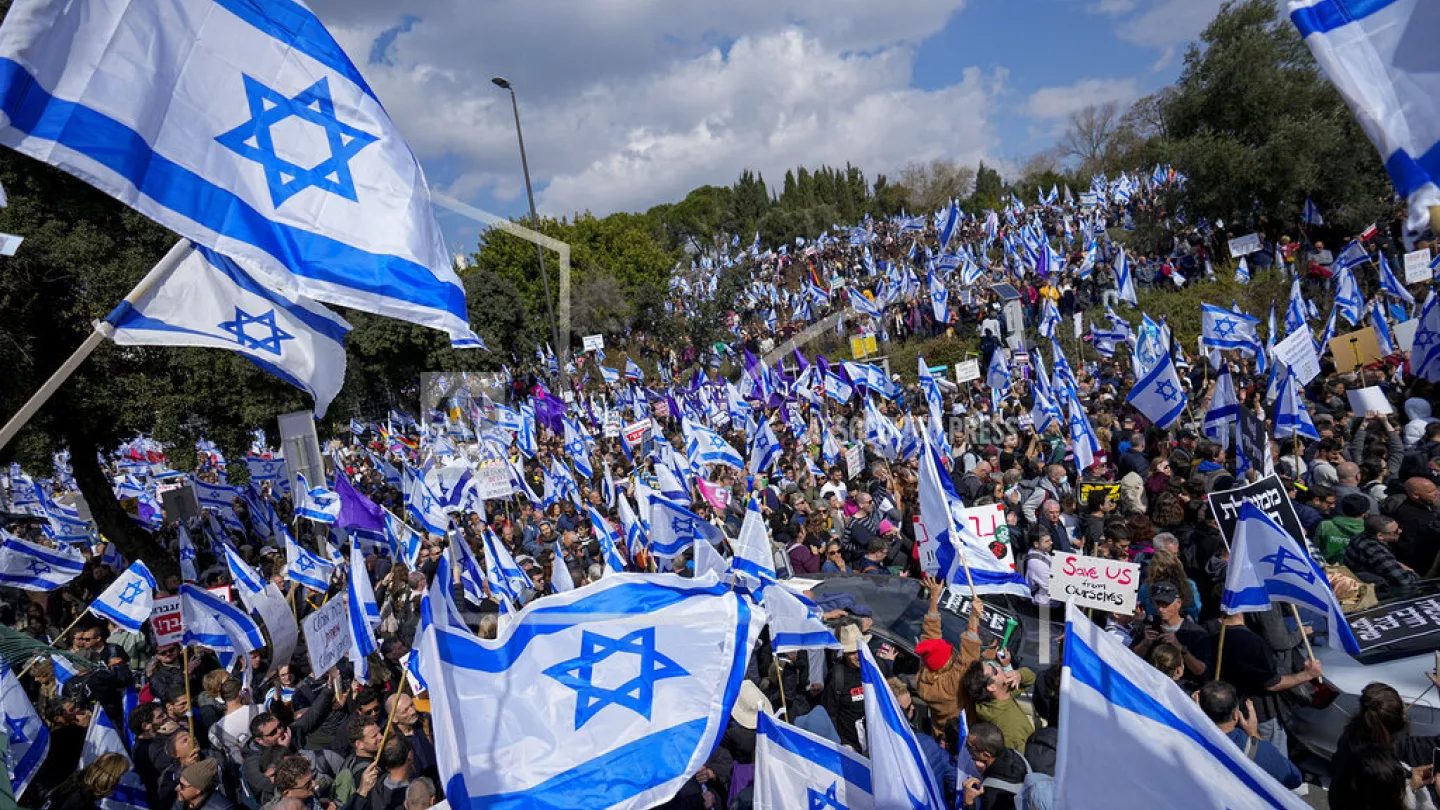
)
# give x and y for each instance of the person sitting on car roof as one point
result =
(939, 681)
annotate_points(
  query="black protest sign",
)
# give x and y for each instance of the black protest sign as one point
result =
(1254, 441)
(1268, 494)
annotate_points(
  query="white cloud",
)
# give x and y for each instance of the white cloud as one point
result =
(1057, 103)
(1111, 6)
(630, 103)
(1166, 25)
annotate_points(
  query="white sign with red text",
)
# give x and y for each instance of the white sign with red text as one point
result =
(1092, 582)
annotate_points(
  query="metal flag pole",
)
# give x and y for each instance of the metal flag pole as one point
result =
(102, 331)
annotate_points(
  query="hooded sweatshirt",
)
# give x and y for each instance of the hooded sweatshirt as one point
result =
(1418, 412)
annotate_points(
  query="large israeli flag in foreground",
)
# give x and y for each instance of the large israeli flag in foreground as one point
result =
(607, 696)
(947, 545)
(208, 300)
(1114, 707)
(28, 736)
(242, 125)
(1268, 565)
(795, 769)
(1381, 56)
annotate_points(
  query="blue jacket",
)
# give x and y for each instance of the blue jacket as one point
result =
(1269, 758)
(942, 765)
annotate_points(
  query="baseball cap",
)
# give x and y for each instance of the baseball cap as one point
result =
(1164, 593)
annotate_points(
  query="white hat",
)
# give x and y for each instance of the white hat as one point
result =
(749, 705)
(850, 638)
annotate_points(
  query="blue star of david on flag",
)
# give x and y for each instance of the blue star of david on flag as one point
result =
(17, 730)
(1280, 565)
(132, 592)
(1224, 328)
(636, 694)
(254, 140)
(828, 800)
(37, 568)
(1166, 390)
(266, 343)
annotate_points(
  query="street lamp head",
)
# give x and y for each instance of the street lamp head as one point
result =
(501, 82)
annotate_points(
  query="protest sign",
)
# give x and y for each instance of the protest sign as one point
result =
(492, 479)
(1268, 494)
(637, 432)
(593, 343)
(1417, 267)
(327, 635)
(967, 371)
(863, 345)
(1365, 400)
(854, 460)
(989, 524)
(1254, 438)
(280, 627)
(1297, 351)
(165, 621)
(1088, 488)
(1245, 245)
(612, 425)
(1408, 624)
(1359, 348)
(1094, 582)
(1404, 333)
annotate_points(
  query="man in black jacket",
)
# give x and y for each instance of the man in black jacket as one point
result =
(1003, 769)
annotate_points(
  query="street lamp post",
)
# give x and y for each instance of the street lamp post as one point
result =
(561, 349)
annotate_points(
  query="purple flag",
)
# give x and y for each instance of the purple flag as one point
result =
(550, 412)
(356, 510)
(800, 362)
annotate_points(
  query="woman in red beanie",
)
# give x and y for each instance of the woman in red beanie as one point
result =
(938, 683)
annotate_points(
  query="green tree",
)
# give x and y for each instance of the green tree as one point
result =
(1257, 127)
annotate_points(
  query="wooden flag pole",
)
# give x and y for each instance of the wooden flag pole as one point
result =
(102, 331)
(389, 723)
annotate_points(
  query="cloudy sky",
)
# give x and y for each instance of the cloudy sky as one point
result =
(631, 103)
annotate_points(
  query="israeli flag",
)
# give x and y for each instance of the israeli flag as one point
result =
(837, 388)
(633, 371)
(1224, 412)
(268, 470)
(705, 446)
(997, 376)
(796, 623)
(526, 438)
(1049, 319)
(188, 554)
(636, 674)
(863, 305)
(1229, 330)
(129, 599)
(362, 612)
(505, 576)
(1296, 313)
(945, 540)
(221, 498)
(1382, 329)
(305, 566)
(212, 622)
(636, 531)
(1348, 300)
(103, 738)
(1390, 284)
(422, 504)
(1125, 280)
(753, 560)
(318, 504)
(29, 737)
(32, 567)
(939, 298)
(1242, 271)
(1268, 565)
(797, 769)
(765, 450)
(609, 541)
(1310, 214)
(1159, 394)
(1083, 440)
(900, 775)
(577, 449)
(248, 582)
(1378, 54)
(209, 300)
(455, 487)
(673, 528)
(1291, 417)
(272, 149)
(1155, 727)
(1425, 353)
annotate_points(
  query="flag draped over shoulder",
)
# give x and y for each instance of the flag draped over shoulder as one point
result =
(209, 300)
(1148, 722)
(636, 674)
(244, 127)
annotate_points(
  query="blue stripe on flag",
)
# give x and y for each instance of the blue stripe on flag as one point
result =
(1327, 15)
(317, 322)
(306, 254)
(1409, 174)
(816, 639)
(842, 766)
(295, 26)
(1087, 667)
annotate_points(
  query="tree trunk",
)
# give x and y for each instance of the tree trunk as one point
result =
(113, 521)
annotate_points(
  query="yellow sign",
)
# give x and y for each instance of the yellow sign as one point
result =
(1088, 488)
(862, 346)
